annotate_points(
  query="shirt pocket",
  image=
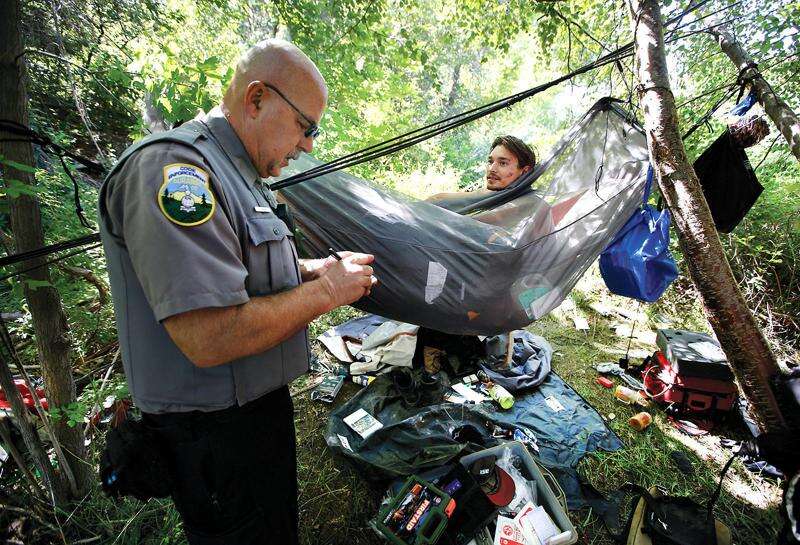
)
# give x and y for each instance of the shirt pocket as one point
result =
(271, 263)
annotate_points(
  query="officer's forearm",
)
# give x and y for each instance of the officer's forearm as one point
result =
(214, 336)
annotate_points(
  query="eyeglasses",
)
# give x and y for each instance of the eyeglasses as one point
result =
(312, 131)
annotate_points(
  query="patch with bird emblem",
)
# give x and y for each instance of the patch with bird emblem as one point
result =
(185, 197)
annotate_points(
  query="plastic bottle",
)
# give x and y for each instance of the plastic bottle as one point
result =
(496, 392)
(501, 395)
(630, 396)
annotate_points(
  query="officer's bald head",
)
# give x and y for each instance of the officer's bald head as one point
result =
(275, 97)
(279, 63)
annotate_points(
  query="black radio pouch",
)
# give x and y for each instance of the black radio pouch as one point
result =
(133, 463)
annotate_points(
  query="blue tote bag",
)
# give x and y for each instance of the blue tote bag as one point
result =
(637, 263)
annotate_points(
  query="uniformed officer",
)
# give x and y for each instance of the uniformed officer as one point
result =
(211, 301)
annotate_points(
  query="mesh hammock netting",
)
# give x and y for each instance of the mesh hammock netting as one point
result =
(488, 261)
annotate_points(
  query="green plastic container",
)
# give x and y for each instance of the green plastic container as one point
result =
(427, 529)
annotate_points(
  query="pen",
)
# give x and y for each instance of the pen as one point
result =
(334, 254)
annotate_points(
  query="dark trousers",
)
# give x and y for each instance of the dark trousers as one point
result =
(235, 471)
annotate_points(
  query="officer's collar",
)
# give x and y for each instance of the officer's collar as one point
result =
(216, 121)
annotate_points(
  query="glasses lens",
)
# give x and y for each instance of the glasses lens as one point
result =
(312, 131)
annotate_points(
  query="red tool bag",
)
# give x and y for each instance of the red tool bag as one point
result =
(689, 391)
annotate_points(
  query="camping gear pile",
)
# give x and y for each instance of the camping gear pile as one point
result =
(457, 420)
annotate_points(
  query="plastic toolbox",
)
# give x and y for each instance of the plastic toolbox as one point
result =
(545, 495)
(420, 519)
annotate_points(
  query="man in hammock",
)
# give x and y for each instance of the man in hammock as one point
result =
(509, 159)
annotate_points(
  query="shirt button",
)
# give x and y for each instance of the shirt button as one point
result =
(276, 231)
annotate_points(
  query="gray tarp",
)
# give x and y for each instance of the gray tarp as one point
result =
(510, 258)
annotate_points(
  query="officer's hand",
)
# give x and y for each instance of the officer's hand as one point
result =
(348, 280)
(328, 262)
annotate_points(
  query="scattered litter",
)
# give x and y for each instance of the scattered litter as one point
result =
(611, 416)
(611, 368)
(468, 393)
(626, 395)
(362, 423)
(640, 421)
(581, 323)
(363, 380)
(344, 442)
(554, 404)
(600, 308)
(604, 382)
(328, 388)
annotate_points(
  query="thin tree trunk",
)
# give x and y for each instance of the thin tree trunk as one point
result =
(5, 435)
(777, 110)
(747, 350)
(44, 301)
(29, 435)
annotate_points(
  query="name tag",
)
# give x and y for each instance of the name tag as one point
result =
(262, 209)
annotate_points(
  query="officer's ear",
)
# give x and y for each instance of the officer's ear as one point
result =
(253, 96)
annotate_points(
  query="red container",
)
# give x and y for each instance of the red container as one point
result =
(688, 394)
(604, 382)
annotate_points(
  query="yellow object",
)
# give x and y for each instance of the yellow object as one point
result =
(629, 396)
(640, 421)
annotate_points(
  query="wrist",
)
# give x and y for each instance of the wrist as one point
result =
(323, 294)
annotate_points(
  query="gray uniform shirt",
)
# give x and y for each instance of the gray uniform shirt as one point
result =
(159, 267)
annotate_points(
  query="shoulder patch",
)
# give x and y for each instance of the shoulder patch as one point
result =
(185, 197)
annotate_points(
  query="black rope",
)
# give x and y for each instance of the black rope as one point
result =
(49, 249)
(705, 117)
(29, 135)
(415, 136)
(49, 262)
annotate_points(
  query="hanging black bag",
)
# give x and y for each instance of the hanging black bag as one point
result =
(133, 463)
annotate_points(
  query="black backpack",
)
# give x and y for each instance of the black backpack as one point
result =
(672, 520)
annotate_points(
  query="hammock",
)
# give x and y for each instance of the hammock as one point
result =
(483, 262)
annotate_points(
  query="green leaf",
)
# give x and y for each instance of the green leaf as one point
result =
(36, 284)
(18, 166)
(15, 188)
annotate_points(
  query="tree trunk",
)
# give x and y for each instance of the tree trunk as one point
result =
(29, 435)
(44, 301)
(777, 110)
(747, 350)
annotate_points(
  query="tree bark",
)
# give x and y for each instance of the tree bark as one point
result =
(747, 350)
(777, 110)
(44, 301)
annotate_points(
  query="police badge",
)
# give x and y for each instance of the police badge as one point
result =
(185, 197)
